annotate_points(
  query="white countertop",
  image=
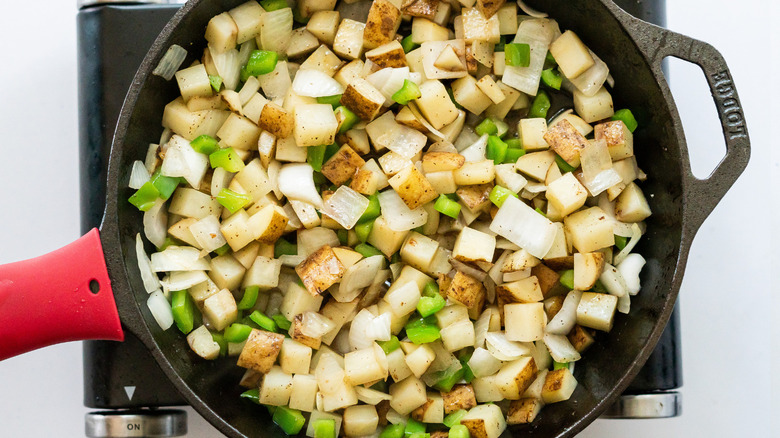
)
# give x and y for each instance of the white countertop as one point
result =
(725, 300)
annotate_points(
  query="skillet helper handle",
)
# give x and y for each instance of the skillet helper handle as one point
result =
(58, 297)
(658, 43)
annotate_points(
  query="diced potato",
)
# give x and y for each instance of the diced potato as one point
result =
(287, 150)
(515, 377)
(408, 395)
(181, 230)
(480, 27)
(523, 411)
(420, 8)
(363, 99)
(324, 60)
(597, 311)
(536, 164)
(485, 421)
(589, 230)
(631, 205)
(441, 161)
(432, 411)
(266, 147)
(383, 20)
(474, 246)
(304, 391)
(323, 25)
(491, 89)
(315, 124)
(254, 179)
(518, 261)
(193, 204)
(419, 251)
(580, 338)
(396, 364)
(220, 309)
(276, 387)
(357, 139)
(458, 335)
(348, 42)
(435, 104)
(548, 278)
(364, 182)
(388, 55)
(451, 314)
(511, 96)
(526, 290)
(490, 7)
(193, 82)
(346, 256)
(296, 333)
(486, 390)
(442, 182)
(260, 351)
(320, 270)
(587, 269)
(365, 365)
(201, 342)
(226, 272)
(460, 397)
(532, 133)
(239, 132)
(360, 420)
(268, 224)
(620, 140)
(302, 42)
(295, 357)
(594, 108)
(507, 19)
(426, 30)
(478, 172)
(276, 120)
(306, 213)
(403, 299)
(413, 188)
(307, 8)
(247, 18)
(221, 33)
(469, 95)
(566, 194)
(572, 56)
(420, 359)
(466, 290)
(558, 386)
(383, 238)
(444, 59)
(525, 322)
(342, 165)
(566, 141)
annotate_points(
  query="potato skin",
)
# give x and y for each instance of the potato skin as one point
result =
(489, 7)
(466, 290)
(461, 397)
(320, 270)
(276, 120)
(297, 334)
(565, 140)
(362, 106)
(260, 351)
(381, 24)
(523, 411)
(420, 8)
(342, 165)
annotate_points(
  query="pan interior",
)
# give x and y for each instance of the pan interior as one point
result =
(212, 386)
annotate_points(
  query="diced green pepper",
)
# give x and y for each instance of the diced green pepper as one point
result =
(427, 306)
(367, 250)
(393, 431)
(233, 201)
(227, 159)
(164, 184)
(237, 333)
(486, 126)
(420, 435)
(343, 236)
(261, 62)
(468, 375)
(395, 258)
(549, 61)
(222, 250)
(289, 420)
(250, 298)
(315, 156)
(447, 381)
(145, 197)
(333, 101)
(216, 82)
(413, 426)
(183, 310)
(447, 206)
(219, 339)
(559, 365)
(496, 149)
(363, 230)
(408, 45)
(567, 279)
(459, 431)
(298, 16)
(282, 322)
(539, 210)
(380, 385)
(563, 165)
(422, 330)
(540, 105)
(501, 127)
(283, 247)
(273, 5)
(263, 321)
(501, 43)
(372, 211)
(408, 92)
(627, 117)
(431, 289)
(252, 395)
(169, 241)
(552, 78)
(324, 428)
(514, 143)
(621, 242)
(391, 345)
(347, 118)
(517, 54)
(499, 194)
(454, 418)
(512, 154)
(599, 287)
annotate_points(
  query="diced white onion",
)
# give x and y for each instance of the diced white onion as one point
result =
(613, 281)
(468, 270)
(184, 280)
(170, 62)
(315, 325)
(156, 223)
(291, 261)
(296, 181)
(398, 216)
(592, 79)
(624, 304)
(630, 268)
(388, 81)
(276, 84)
(420, 118)
(445, 363)
(358, 276)
(597, 171)
(149, 278)
(179, 258)
(564, 320)
(379, 328)
(358, 330)
(345, 206)
(207, 233)
(503, 349)
(481, 327)
(482, 363)
(560, 348)
(276, 29)
(476, 152)
(182, 160)
(160, 309)
(538, 34)
(314, 83)
(621, 229)
(228, 65)
(371, 396)
(138, 175)
(530, 11)
(636, 234)
(403, 140)
(524, 227)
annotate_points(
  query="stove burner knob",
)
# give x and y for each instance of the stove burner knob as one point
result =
(646, 406)
(159, 423)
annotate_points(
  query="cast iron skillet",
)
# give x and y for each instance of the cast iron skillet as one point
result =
(84, 306)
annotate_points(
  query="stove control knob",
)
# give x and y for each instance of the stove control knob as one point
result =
(159, 423)
(646, 406)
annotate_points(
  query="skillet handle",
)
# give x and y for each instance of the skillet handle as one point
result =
(50, 299)
(658, 43)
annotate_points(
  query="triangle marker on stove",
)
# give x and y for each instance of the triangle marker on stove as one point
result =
(129, 390)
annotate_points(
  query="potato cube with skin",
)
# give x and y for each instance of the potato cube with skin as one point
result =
(620, 140)
(321, 270)
(474, 246)
(558, 386)
(307, 8)
(460, 397)
(193, 82)
(631, 205)
(390, 54)
(458, 335)
(441, 161)
(361, 420)
(363, 99)
(484, 421)
(364, 182)
(315, 124)
(220, 309)
(383, 238)
(304, 391)
(479, 27)
(566, 141)
(348, 42)
(268, 224)
(430, 412)
(526, 290)
(418, 250)
(535, 165)
(276, 387)
(276, 120)
(221, 33)
(413, 188)
(572, 56)
(260, 351)
(524, 411)
(342, 165)
(296, 333)
(382, 22)
(548, 278)
(435, 104)
(567, 194)
(420, 8)
(525, 322)
(201, 342)
(587, 269)
(489, 7)
(407, 395)
(594, 108)
(516, 376)
(518, 261)
(466, 290)
(247, 18)
(532, 133)
(478, 172)
(486, 390)
(365, 365)
(597, 311)
(589, 230)
(469, 95)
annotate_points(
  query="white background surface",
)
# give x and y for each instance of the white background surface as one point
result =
(727, 295)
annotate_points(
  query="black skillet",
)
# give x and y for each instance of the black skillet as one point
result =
(67, 295)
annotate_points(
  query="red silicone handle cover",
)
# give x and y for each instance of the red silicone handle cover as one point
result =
(50, 299)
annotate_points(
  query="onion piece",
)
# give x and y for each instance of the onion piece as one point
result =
(524, 227)
(276, 28)
(591, 80)
(184, 280)
(149, 278)
(636, 234)
(398, 216)
(358, 276)
(403, 140)
(208, 234)
(420, 118)
(388, 81)
(531, 11)
(276, 84)
(179, 258)
(468, 270)
(621, 229)
(538, 34)
(315, 325)
(156, 223)
(160, 309)
(476, 152)
(358, 330)
(503, 349)
(291, 261)
(139, 175)
(560, 348)
(564, 320)
(345, 206)
(445, 364)
(314, 83)
(170, 62)
(296, 182)
(597, 171)
(482, 363)
(228, 65)
(624, 304)
(613, 281)
(629, 268)
(371, 396)
(380, 327)
(182, 160)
